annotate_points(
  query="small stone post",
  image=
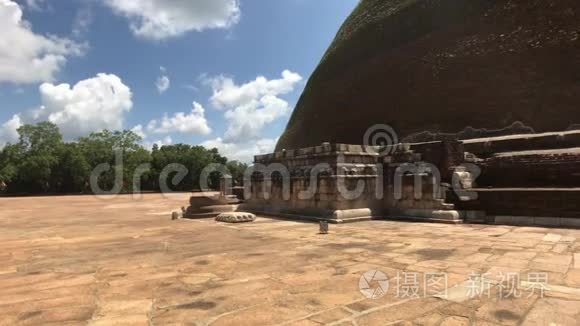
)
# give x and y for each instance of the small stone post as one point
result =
(323, 227)
(225, 185)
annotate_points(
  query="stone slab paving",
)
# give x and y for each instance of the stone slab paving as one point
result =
(122, 261)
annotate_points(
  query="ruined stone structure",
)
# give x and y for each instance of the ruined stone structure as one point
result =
(520, 179)
(532, 179)
(473, 88)
(340, 183)
(204, 207)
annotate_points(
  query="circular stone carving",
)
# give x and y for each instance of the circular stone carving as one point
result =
(236, 217)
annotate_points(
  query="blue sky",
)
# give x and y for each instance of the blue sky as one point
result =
(143, 63)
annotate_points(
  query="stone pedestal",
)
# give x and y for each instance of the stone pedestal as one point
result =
(210, 207)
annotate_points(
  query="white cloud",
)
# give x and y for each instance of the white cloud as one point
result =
(243, 152)
(162, 19)
(194, 123)
(167, 140)
(82, 21)
(34, 4)
(138, 130)
(191, 87)
(26, 57)
(8, 131)
(247, 121)
(90, 105)
(163, 82)
(251, 106)
(228, 95)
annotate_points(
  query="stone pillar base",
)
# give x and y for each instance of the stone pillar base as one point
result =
(425, 215)
(315, 215)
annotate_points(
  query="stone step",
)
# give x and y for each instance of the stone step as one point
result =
(423, 219)
(194, 216)
(358, 219)
(218, 209)
(449, 207)
(476, 221)
(448, 215)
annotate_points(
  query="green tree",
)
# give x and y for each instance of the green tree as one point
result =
(73, 173)
(193, 158)
(10, 156)
(121, 150)
(38, 150)
(237, 170)
(42, 162)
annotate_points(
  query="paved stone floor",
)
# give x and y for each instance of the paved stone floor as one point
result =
(121, 261)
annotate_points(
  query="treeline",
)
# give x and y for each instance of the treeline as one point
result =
(41, 162)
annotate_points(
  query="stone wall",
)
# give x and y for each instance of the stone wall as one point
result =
(321, 182)
(532, 169)
(487, 147)
(514, 176)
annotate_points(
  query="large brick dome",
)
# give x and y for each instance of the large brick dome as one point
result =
(442, 66)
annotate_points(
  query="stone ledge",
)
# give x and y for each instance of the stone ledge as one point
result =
(421, 219)
(428, 213)
(334, 217)
(535, 221)
(474, 216)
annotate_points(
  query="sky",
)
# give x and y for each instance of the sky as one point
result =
(217, 73)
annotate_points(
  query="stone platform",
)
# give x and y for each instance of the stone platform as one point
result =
(79, 260)
(342, 183)
(529, 179)
(209, 205)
